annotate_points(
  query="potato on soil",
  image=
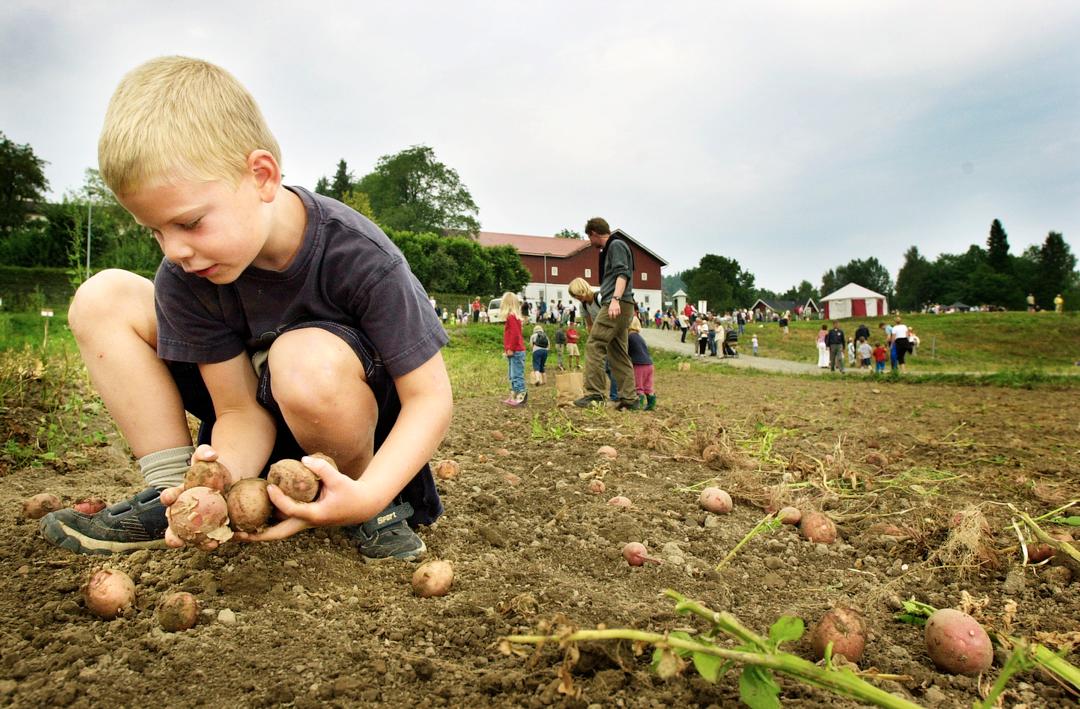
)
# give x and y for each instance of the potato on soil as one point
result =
(40, 505)
(844, 628)
(596, 486)
(89, 505)
(109, 593)
(789, 515)
(198, 515)
(447, 469)
(249, 505)
(818, 528)
(620, 501)
(433, 578)
(207, 473)
(957, 643)
(607, 452)
(294, 479)
(713, 499)
(636, 554)
(1042, 551)
(178, 611)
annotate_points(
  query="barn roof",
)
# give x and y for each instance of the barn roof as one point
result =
(550, 245)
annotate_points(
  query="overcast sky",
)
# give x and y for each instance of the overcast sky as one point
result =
(791, 136)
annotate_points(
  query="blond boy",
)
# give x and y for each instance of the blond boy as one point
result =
(286, 322)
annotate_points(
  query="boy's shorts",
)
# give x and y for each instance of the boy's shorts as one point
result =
(571, 349)
(420, 492)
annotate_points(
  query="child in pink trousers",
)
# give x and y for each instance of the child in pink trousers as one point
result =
(643, 367)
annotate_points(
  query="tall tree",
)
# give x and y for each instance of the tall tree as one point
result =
(568, 234)
(343, 181)
(800, 293)
(912, 281)
(997, 248)
(720, 281)
(1057, 269)
(413, 191)
(868, 273)
(322, 186)
(22, 183)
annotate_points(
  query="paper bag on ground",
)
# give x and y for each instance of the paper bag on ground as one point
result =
(569, 386)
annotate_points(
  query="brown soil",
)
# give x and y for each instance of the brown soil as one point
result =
(312, 625)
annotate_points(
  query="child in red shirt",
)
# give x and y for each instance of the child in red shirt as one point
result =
(573, 357)
(880, 355)
(514, 348)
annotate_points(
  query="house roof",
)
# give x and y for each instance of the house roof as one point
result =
(774, 305)
(550, 245)
(851, 290)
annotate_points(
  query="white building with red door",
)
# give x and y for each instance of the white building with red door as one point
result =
(553, 262)
(854, 301)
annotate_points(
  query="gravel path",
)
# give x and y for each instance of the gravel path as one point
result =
(669, 340)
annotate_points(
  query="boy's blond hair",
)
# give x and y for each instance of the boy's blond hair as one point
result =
(635, 325)
(579, 288)
(180, 115)
(509, 303)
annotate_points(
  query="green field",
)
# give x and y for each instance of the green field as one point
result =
(959, 342)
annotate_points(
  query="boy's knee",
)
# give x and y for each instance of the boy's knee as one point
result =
(104, 295)
(311, 368)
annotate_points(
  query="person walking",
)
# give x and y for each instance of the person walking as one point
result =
(608, 336)
(901, 344)
(836, 342)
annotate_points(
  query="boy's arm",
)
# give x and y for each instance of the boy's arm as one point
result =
(426, 406)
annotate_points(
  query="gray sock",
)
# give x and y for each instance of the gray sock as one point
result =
(166, 468)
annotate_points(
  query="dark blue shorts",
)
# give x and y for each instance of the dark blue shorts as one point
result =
(420, 492)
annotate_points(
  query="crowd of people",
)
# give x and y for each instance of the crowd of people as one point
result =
(894, 344)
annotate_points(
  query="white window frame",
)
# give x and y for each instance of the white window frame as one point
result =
(554, 270)
(588, 273)
(644, 276)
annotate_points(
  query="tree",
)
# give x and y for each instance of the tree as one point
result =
(413, 191)
(800, 293)
(360, 202)
(322, 186)
(997, 248)
(1057, 269)
(343, 181)
(913, 282)
(568, 234)
(868, 273)
(720, 281)
(22, 184)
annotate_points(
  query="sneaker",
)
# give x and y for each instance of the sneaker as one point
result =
(388, 535)
(588, 400)
(628, 406)
(137, 523)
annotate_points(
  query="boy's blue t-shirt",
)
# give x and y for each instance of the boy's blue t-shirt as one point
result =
(346, 271)
(639, 351)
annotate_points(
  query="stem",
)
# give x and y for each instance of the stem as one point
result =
(1051, 513)
(766, 521)
(724, 621)
(1017, 662)
(1047, 539)
(843, 683)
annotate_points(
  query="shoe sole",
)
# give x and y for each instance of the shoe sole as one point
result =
(65, 537)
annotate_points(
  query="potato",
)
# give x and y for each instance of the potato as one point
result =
(844, 628)
(713, 499)
(40, 505)
(208, 473)
(789, 515)
(89, 506)
(324, 456)
(1042, 551)
(596, 486)
(620, 501)
(198, 515)
(447, 469)
(818, 528)
(294, 479)
(109, 593)
(248, 505)
(607, 452)
(178, 611)
(433, 578)
(957, 643)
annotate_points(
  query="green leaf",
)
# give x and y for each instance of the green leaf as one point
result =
(788, 628)
(708, 666)
(758, 689)
(911, 618)
(1072, 521)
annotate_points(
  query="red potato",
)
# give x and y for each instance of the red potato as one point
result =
(1042, 552)
(957, 643)
(207, 473)
(89, 505)
(502, 452)
(433, 578)
(607, 452)
(844, 628)
(178, 611)
(789, 515)
(636, 554)
(447, 469)
(512, 480)
(597, 486)
(620, 501)
(713, 499)
(40, 505)
(294, 479)
(199, 515)
(818, 528)
(249, 505)
(109, 593)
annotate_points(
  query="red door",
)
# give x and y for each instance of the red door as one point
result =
(858, 308)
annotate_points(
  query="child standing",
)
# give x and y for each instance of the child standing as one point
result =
(880, 355)
(514, 348)
(753, 344)
(539, 342)
(643, 367)
(865, 353)
(703, 329)
(573, 357)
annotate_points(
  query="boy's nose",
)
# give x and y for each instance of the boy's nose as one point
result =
(175, 249)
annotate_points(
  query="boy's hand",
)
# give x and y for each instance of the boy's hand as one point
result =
(341, 501)
(169, 495)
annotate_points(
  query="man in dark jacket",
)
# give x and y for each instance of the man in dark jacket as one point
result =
(862, 331)
(835, 340)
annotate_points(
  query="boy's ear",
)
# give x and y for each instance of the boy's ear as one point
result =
(265, 170)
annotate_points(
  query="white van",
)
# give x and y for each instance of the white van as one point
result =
(493, 310)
